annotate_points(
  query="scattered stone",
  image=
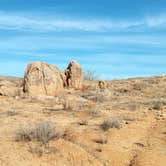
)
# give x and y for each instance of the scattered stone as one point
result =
(102, 84)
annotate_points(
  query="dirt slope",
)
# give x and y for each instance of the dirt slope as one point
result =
(137, 108)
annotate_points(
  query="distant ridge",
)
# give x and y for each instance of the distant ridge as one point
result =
(10, 78)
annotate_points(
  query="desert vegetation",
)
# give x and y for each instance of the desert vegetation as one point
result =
(115, 122)
(90, 75)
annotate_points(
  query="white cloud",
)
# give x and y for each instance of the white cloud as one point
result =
(156, 21)
(95, 42)
(17, 21)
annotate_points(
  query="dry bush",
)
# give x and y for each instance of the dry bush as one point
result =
(9, 113)
(102, 96)
(115, 122)
(90, 75)
(12, 113)
(42, 132)
(24, 134)
(94, 112)
(157, 106)
(127, 118)
(99, 95)
(105, 125)
(41, 150)
(77, 104)
(70, 105)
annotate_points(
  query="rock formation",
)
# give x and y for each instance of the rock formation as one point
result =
(8, 88)
(43, 79)
(74, 75)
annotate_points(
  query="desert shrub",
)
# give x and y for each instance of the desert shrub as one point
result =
(115, 122)
(126, 118)
(105, 125)
(42, 132)
(102, 96)
(24, 134)
(12, 113)
(93, 111)
(99, 95)
(77, 104)
(40, 150)
(45, 131)
(90, 75)
(157, 105)
(69, 105)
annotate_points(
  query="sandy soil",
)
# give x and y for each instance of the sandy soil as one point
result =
(140, 140)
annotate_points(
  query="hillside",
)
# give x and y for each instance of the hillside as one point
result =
(121, 124)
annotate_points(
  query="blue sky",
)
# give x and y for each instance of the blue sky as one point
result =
(115, 38)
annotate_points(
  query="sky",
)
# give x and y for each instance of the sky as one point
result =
(114, 38)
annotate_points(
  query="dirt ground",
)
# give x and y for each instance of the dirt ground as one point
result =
(135, 135)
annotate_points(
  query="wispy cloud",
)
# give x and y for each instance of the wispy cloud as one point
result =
(122, 53)
(95, 42)
(19, 22)
(156, 21)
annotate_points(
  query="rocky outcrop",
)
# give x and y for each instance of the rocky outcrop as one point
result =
(9, 89)
(43, 79)
(74, 75)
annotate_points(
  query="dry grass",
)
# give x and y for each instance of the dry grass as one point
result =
(115, 122)
(157, 106)
(12, 113)
(42, 132)
(69, 105)
(102, 96)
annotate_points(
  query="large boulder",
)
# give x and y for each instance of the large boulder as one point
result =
(9, 89)
(43, 79)
(74, 75)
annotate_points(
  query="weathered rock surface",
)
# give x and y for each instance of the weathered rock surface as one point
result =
(8, 88)
(74, 75)
(43, 79)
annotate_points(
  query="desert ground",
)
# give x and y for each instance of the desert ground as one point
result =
(120, 124)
